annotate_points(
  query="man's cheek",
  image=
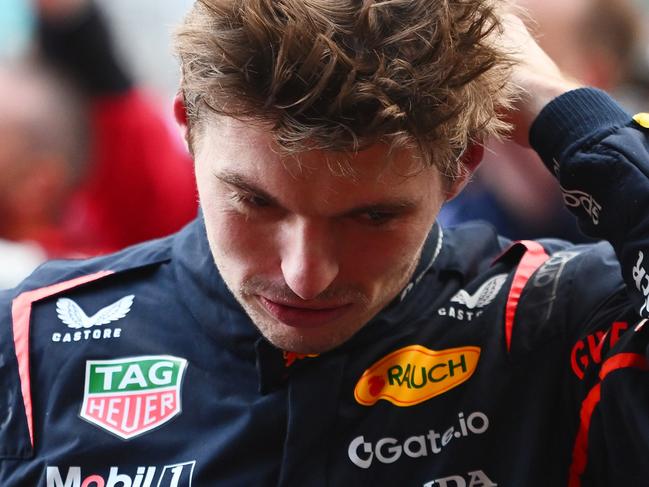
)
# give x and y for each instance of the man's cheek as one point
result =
(246, 248)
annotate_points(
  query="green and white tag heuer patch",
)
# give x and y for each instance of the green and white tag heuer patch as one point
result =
(130, 396)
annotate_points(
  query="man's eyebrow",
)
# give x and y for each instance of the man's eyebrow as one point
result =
(398, 206)
(244, 184)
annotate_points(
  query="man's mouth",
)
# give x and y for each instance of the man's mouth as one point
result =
(303, 315)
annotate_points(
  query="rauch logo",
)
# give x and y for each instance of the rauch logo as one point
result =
(131, 396)
(415, 374)
(178, 475)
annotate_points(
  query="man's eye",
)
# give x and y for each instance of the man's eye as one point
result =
(251, 200)
(378, 217)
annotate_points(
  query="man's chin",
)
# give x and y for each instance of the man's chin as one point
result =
(304, 341)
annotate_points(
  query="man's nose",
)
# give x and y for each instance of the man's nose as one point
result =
(309, 262)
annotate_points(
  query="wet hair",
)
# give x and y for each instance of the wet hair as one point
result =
(341, 75)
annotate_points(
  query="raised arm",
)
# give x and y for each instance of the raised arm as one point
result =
(599, 154)
(536, 76)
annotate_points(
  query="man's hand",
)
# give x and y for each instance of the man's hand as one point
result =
(535, 75)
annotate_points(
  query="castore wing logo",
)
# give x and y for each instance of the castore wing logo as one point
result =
(72, 315)
(483, 296)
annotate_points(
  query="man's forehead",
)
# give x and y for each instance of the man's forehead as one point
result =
(251, 146)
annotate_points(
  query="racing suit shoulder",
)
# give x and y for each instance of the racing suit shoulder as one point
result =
(576, 291)
(600, 155)
(57, 271)
(20, 330)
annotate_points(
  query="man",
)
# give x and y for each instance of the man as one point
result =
(315, 326)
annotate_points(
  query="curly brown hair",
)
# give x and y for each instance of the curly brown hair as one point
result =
(340, 75)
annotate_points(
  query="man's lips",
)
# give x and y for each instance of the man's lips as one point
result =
(303, 317)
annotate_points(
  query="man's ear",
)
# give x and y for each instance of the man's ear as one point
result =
(470, 160)
(180, 114)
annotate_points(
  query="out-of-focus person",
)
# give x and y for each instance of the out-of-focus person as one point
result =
(594, 41)
(139, 184)
(43, 152)
(88, 164)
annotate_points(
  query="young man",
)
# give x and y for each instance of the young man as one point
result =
(315, 326)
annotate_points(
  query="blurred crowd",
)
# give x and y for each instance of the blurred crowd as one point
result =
(602, 43)
(89, 162)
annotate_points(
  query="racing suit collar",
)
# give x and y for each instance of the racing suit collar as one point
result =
(207, 297)
(211, 303)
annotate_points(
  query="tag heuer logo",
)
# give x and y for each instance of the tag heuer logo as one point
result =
(131, 396)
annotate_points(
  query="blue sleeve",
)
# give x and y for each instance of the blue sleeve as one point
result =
(600, 156)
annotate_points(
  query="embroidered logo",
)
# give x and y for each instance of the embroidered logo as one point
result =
(131, 396)
(84, 326)
(476, 477)
(577, 199)
(483, 296)
(415, 374)
(72, 315)
(641, 278)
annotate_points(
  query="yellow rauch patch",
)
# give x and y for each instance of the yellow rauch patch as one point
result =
(414, 374)
(642, 119)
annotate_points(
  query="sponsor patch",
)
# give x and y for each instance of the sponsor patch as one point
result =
(641, 278)
(585, 201)
(589, 350)
(364, 453)
(415, 374)
(550, 271)
(466, 307)
(471, 479)
(483, 296)
(177, 475)
(642, 119)
(86, 327)
(131, 396)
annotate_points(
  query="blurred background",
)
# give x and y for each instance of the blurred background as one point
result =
(141, 31)
(90, 160)
(602, 43)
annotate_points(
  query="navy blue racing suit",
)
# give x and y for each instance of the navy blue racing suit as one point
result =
(500, 363)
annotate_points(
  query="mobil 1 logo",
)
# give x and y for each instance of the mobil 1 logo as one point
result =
(177, 475)
(131, 396)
